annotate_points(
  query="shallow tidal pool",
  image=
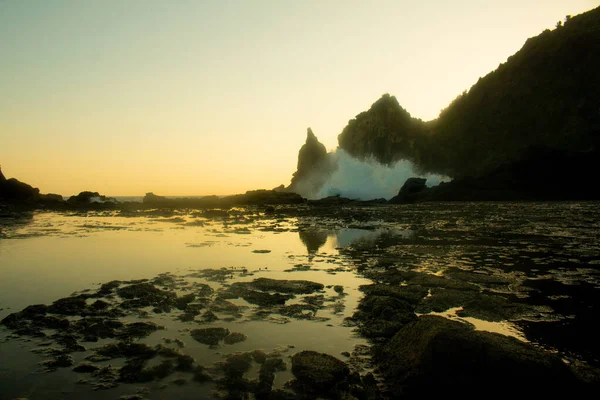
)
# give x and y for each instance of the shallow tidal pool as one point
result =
(197, 304)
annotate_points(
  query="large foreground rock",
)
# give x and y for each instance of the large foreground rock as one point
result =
(435, 356)
(319, 371)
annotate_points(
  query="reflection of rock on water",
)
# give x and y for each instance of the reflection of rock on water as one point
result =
(313, 239)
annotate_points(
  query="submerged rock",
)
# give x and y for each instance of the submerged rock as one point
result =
(210, 336)
(60, 361)
(85, 367)
(235, 337)
(145, 294)
(286, 286)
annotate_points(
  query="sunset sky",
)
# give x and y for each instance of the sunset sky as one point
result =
(194, 97)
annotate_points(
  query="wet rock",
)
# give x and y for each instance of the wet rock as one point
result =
(137, 330)
(186, 317)
(339, 289)
(203, 290)
(299, 311)
(269, 210)
(105, 378)
(383, 316)
(235, 337)
(214, 275)
(236, 365)
(182, 302)
(87, 197)
(318, 372)
(68, 341)
(85, 367)
(123, 349)
(266, 376)
(210, 336)
(135, 371)
(455, 357)
(201, 375)
(208, 317)
(224, 306)
(93, 328)
(179, 381)
(494, 308)
(477, 305)
(108, 288)
(185, 363)
(145, 294)
(412, 294)
(245, 290)
(99, 305)
(286, 286)
(168, 352)
(162, 370)
(69, 305)
(132, 397)
(177, 341)
(259, 356)
(316, 300)
(60, 361)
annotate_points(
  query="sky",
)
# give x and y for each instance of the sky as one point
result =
(198, 97)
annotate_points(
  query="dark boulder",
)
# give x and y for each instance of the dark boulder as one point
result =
(317, 371)
(151, 198)
(51, 198)
(435, 356)
(410, 191)
(87, 197)
(15, 190)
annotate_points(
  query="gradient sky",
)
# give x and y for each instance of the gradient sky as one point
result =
(214, 97)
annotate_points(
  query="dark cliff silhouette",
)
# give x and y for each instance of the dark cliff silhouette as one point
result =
(313, 166)
(543, 99)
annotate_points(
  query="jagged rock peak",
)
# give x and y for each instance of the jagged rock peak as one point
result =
(2, 177)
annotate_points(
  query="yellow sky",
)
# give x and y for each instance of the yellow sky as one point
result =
(214, 97)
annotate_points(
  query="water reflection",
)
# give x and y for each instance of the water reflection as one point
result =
(330, 241)
(313, 239)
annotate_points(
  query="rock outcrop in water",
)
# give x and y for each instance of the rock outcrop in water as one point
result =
(251, 197)
(88, 197)
(313, 167)
(16, 191)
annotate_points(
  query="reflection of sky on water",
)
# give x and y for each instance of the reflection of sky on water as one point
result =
(316, 240)
(53, 255)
